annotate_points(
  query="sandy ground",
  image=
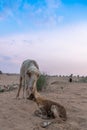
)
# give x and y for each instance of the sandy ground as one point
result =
(19, 114)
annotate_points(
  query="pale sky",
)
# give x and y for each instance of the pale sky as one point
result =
(52, 32)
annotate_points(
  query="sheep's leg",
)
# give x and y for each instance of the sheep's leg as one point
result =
(19, 89)
(24, 86)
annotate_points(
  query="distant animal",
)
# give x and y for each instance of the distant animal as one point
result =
(70, 78)
(49, 108)
(29, 74)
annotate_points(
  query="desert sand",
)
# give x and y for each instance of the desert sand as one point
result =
(19, 114)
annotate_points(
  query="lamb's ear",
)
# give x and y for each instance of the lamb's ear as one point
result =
(31, 97)
(28, 73)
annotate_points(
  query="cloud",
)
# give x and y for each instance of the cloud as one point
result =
(1, 17)
(61, 51)
(53, 4)
(8, 10)
(4, 57)
(48, 14)
(42, 13)
(57, 50)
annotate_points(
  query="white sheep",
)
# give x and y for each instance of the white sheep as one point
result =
(29, 74)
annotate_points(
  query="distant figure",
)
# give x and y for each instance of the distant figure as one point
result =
(70, 78)
(29, 74)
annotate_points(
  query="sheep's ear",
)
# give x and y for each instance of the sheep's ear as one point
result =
(28, 73)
